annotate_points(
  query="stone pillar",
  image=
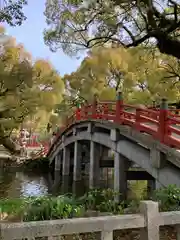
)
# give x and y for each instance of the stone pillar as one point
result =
(65, 169)
(57, 172)
(58, 162)
(66, 161)
(120, 176)
(77, 161)
(151, 186)
(94, 169)
(157, 158)
(158, 185)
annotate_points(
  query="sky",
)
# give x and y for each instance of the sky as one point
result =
(30, 34)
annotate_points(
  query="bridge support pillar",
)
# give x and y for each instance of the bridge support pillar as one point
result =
(57, 171)
(151, 186)
(65, 169)
(66, 161)
(94, 169)
(58, 162)
(157, 158)
(120, 176)
(158, 185)
(77, 161)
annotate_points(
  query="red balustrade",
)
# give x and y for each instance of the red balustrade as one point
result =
(42, 153)
(163, 123)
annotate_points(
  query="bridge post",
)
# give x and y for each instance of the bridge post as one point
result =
(77, 161)
(120, 177)
(78, 112)
(163, 115)
(65, 169)
(120, 169)
(58, 162)
(151, 186)
(94, 107)
(57, 169)
(119, 106)
(94, 170)
(157, 158)
(158, 185)
(66, 161)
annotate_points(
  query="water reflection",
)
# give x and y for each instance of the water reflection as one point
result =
(33, 185)
(16, 184)
(19, 184)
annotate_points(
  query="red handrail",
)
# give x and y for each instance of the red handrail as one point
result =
(163, 123)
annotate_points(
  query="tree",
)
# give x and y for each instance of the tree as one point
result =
(11, 12)
(77, 25)
(101, 71)
(25, 89)
(152, 77)
(141, 74)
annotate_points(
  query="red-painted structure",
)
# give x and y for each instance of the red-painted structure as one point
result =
(32, 142)
(162, 123)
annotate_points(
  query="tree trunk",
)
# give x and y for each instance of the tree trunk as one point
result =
(168, 45)
(7, 142)
(10, 145)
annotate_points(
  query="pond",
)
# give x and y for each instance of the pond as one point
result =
(15, 184)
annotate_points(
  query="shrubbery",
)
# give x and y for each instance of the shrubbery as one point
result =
(49, 207)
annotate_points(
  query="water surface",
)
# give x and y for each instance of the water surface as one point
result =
(20, 184)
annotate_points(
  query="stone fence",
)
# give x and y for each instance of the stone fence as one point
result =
(148, 221)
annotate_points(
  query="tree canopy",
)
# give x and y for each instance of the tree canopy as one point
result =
(26, 88)
(76, 25)
(11, 12)
(143, 75)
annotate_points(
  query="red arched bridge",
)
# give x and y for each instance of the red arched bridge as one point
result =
(148, 137)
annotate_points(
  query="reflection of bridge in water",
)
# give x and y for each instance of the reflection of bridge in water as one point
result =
(149, 138)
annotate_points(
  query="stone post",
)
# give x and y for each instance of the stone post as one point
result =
(57, 171)
(65, 169)
(66, 161)
(120, 176)
(58, 162)
(77, 161)
(151, 186)
(94, 170)
(151, 213)
(158, 185)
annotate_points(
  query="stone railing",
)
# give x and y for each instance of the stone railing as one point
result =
(148, 221)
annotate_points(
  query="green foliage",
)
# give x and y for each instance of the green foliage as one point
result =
(41, 208)
(75, 26)
(142, 74)
(12, 206)
(26, 88)
(101, 200)
(11, 12)
(46, 208)
(49, 207)
(169, 198)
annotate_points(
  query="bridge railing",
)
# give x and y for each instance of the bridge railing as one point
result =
(147, 221)
(163, 123)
